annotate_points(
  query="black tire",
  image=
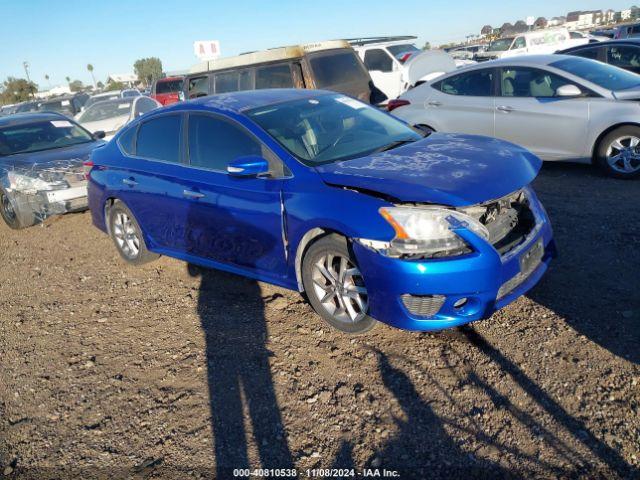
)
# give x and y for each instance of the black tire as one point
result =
(117, 212)
(601, 158)
(337, 246)
(14, 216)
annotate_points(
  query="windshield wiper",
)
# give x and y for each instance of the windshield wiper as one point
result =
(395, 144)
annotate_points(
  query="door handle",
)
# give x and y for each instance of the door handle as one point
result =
(434, 103)
(504, 108)
(190, 194)
(129, 181)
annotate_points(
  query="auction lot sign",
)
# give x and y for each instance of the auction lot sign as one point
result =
(206, 49)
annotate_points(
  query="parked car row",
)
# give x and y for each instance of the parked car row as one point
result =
(417, 218)
(559, 107)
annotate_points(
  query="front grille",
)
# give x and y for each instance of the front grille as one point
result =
(423, 305)
(508, 219)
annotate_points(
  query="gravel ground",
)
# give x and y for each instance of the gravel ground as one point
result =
(164, 371)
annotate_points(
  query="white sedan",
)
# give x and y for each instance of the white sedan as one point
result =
(109, 116)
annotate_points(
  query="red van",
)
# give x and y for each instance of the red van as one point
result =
(167, 90)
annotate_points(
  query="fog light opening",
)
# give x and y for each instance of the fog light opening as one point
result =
(460, 303)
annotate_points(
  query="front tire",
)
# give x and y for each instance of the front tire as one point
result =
(13, 214)
(618, 153)
(127, 235)
(334, 285)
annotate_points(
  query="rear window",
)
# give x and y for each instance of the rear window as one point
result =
(336, 69)
(276, 76)
(169, 86)
(227, 82)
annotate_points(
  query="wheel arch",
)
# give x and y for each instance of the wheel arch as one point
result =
(311, 236)
(603, 134)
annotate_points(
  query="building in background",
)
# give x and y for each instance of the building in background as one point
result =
(127, 79)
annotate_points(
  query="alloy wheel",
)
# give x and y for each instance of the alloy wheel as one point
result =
(339, 286)
(623, 154)
(126, 235)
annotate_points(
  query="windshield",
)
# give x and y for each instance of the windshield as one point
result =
(105, 110)
(602, 74)
(329, 128)
(401, 51)
(101, 98)
(170, 86)
(61, 106)
(130, 93)
(41, 135)
(500, 45)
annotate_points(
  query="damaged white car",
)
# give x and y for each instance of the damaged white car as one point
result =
(41, 167)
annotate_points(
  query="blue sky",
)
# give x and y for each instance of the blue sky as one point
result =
(59, 37)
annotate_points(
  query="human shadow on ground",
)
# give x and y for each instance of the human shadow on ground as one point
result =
(231, 311)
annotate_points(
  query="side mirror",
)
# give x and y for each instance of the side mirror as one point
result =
(99, 135)
(568, 91)
(248, 166)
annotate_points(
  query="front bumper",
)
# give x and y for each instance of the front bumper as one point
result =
(476, 277)
(40, 205)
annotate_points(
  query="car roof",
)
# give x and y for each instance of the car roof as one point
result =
(621, 41)
(240, 101)
(30, 117)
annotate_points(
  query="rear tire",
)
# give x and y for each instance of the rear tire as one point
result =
(334, 285)
(127, 235)
(618, 153)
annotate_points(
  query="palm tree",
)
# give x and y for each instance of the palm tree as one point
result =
(68, 79)
(46, 77)
(90, 68)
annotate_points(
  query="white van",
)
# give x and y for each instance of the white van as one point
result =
(396, 64)
(537, 42)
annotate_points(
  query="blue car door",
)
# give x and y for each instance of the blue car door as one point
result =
(145, 182)
(230, 220)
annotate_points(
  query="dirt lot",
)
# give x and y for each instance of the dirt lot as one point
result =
(109, 370)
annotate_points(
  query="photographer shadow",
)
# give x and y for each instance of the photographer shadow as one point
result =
(231, 311)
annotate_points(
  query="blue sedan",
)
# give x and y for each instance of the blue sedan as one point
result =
(317, 192)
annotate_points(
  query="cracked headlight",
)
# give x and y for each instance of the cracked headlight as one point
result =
(25, 183)
(427, 232)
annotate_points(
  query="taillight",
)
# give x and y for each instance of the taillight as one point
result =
(398, 102)
(87, 165)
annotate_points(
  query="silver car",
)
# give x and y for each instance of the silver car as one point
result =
(559, 107)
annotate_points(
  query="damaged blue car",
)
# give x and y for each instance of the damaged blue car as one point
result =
(318, 192)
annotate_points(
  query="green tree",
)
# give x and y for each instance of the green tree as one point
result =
(46, 77)
(114, 86)
(90, 68)
(148, 69)
(100, 84)
(76, 86)
(427, 46)
(15, 90)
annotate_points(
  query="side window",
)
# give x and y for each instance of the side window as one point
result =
(478, 83)
(159, 138)
(226, 82)
(635, 29)
(626, 57)
(520, 42)
(591, 53)
(530, 82)
(246, 80)
(198, 87)
(276, 76)
(127, 140)
(214, 142)
(378, 60)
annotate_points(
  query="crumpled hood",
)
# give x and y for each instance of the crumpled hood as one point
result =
(447, 169)
(75, 154)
